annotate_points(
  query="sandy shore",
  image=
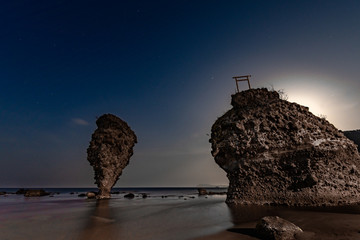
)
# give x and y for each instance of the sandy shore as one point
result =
(175, 218)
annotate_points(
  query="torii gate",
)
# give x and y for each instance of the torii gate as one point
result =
(242, 78)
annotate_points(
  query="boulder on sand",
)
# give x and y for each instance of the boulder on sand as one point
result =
(276, 228)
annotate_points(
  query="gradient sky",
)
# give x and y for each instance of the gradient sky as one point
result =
(166, 68)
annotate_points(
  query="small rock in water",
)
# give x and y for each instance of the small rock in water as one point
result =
(202, 191)
(35, 193)
(82, 195)
(21, 191)
(129, 196)
(90, 195)
(144, 195)
(276, 228)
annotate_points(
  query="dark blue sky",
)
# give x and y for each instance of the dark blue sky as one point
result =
(166, 68)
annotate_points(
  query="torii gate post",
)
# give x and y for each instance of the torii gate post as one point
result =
(242, 78)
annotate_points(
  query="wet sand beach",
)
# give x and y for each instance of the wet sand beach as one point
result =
(172, 217)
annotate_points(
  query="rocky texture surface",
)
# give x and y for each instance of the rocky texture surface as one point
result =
(275, 228)
(354, 135)
(277, 152)
(109, 152)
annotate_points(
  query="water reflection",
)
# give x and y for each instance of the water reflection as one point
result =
(101, 223)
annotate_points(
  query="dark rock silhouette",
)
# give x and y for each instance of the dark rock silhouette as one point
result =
(21, 191)
(277, 152)
(354, 135)
(109, 152)
(35, 193)
(129, 196)
(203, 191)
(276, 228)
(32, 192)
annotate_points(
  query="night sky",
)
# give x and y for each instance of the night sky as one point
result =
(166, 68)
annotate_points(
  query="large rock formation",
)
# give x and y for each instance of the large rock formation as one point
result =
(109, 152)
(277, 152)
